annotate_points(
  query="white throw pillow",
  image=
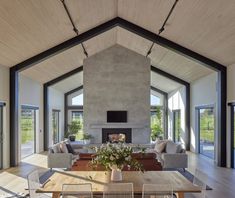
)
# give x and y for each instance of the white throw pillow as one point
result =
(160, 146)
(56, 148)
(63, 148)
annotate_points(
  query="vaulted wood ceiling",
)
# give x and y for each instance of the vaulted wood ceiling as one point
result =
(29, 27)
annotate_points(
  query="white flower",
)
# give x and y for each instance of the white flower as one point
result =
(111, 158)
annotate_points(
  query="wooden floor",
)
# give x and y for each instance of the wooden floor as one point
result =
(222, 180)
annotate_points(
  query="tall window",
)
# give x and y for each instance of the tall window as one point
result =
(28, 131)
(1, 136)
(206, 131)
(55, 126)
(157, 117)
(176, 125)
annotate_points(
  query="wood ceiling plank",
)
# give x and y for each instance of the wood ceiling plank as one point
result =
(30, 27)
(89, 13)
(56, 65)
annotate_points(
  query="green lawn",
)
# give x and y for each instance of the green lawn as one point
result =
(27, 130)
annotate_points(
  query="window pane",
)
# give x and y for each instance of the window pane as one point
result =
(55, 126)
(177, 125)
(207, 131)
(154, 100)
(157, 123)
(27, 126)
(77, 100)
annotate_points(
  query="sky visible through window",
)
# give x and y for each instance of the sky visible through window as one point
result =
(77, 100)
(154, 100)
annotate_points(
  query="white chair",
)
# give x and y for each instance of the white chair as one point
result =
(157, 191)
(118, 190)
(200, 179)
(77, 191)
(34, 184)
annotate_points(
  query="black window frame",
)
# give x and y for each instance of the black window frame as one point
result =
(232, 132)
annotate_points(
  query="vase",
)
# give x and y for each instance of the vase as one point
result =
(116, 174)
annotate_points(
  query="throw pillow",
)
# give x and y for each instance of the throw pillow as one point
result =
(63, 148)
(70, 148)
(160, 146)
(56, 148)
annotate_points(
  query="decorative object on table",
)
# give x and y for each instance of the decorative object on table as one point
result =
(73, 129)
(87, 138)
(114, 157)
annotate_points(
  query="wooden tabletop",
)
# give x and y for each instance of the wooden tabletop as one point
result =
(99, 179)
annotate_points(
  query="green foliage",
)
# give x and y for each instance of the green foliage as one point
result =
(27, 129)
(207, 126)
(74, 127)
(87, 136)
(115, 155)
(156, 124)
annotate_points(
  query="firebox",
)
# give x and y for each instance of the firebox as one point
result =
(116, 135)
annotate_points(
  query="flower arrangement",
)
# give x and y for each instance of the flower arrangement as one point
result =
(116, 155)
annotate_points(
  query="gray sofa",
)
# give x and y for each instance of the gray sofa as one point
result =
(173, 155)
(59, 156)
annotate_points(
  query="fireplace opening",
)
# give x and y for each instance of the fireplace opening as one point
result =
(116, 135)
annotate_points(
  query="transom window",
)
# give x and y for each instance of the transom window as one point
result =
(77, 100)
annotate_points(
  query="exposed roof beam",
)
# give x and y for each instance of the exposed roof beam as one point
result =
(170, 76)
(128, 26)
(64, 76)
(74, 90)
(159, 91)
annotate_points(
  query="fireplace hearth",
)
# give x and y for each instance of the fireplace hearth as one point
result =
(116, 135)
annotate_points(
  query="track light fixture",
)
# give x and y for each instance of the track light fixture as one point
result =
(163, 27)
(74, 27)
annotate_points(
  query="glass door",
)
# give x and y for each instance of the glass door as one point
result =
(28, 131)
(206, 131)
(1, 137)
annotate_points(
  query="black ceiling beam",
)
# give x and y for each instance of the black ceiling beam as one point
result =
(64, 76)
(128, 26)
(66, 45)
(170, 45)
(74, 90)
(170, 76)
(159, 91)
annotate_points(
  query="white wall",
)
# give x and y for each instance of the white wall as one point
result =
(4, 97)
(117, 79)
(31, 93)
(177, 101)
(56, 101)
(203, 92)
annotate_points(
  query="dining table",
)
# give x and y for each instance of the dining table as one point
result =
(99, 179)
